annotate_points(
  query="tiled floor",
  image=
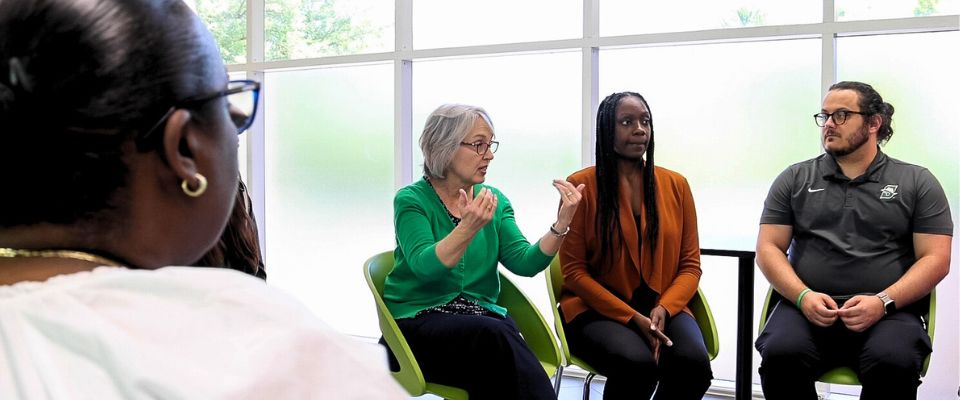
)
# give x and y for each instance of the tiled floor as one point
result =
(571, 388)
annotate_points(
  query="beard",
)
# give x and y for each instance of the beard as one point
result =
(854, 142)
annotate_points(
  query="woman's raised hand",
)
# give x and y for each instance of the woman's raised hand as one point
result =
(570, 197)
(476, 213)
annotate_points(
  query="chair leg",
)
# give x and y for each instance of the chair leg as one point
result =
(586, 386)
(557, 379)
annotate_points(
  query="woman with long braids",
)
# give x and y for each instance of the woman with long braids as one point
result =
(631, 263)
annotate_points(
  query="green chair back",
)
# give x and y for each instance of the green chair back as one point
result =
(846, 375)
(531, 323)
(410, 377)
(533, 327)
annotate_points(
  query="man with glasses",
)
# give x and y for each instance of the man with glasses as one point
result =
(853, 242)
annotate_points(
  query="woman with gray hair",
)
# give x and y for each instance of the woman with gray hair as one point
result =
(452, 231)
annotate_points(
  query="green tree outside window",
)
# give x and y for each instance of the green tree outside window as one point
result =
(293, 29)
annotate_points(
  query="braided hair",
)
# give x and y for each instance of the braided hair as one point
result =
(608, 177)
(871, 103)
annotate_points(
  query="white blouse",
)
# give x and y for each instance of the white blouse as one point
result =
(176, 333)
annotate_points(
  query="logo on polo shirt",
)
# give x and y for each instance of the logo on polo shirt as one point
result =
(888, 192)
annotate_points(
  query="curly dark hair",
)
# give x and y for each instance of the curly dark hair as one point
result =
(239, 244)
(872, 104)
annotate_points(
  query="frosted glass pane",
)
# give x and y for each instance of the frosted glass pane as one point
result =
(451, 23)
(850, 10)
(625, 17)
(921, 82)
(296, 29)
(729, 117)
(329, 186)
(534, 101)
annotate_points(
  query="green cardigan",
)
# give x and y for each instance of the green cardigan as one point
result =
(420, 281)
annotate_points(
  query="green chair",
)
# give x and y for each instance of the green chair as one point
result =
(533, 328)
(846, 375)
(698, 305)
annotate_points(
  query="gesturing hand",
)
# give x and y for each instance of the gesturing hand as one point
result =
(570, 197)
(476, 213)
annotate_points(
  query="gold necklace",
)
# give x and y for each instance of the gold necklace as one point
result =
(72, 254)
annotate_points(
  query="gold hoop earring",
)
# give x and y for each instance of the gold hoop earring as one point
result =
(201, 186)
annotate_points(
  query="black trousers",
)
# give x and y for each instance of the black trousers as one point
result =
(483, 354)
(621, 353)
(887, 357)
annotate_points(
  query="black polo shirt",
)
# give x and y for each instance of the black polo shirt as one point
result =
(855, 236)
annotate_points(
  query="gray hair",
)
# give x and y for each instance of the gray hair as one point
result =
(446, 127)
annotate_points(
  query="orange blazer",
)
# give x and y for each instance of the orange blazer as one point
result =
(673, 271)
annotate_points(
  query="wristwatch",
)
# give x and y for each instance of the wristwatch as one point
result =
(889, 305)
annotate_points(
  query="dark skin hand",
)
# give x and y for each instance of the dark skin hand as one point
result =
(652, 329)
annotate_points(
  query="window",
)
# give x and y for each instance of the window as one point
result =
(227, 20)
(921, 83)
(329, 186)
(446, 23)
(626, 17)
(850, 10)
(296, 29)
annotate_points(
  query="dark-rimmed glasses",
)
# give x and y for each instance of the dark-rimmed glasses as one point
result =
(839, 117)
(242, 98)
(482, 147)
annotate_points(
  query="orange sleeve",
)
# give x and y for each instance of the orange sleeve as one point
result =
(685, 283)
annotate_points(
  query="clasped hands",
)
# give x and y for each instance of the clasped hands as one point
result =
(652, 329)
(858, 313)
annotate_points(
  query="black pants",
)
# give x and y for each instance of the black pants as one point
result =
(887, 357)
(483, 354)
(621, 353)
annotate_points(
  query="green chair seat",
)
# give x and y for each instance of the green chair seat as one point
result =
(846, 375)
(698, 306)
(533, 328)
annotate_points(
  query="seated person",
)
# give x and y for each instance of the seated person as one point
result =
(452, 231)
(632, 263)
(868, 239)
(119, 160)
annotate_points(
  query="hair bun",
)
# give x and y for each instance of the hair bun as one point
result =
(888, 109)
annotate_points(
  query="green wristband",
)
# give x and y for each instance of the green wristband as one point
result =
(800, 296)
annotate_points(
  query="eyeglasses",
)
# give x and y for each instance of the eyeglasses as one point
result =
(242, 97)
(482, 147)
(839, 117)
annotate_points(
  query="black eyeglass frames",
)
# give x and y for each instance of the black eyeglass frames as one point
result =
(242, 98)
(482, 147)
(839, 117)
